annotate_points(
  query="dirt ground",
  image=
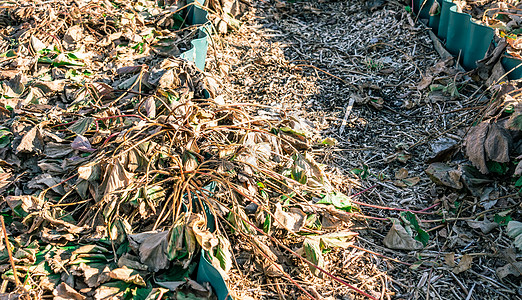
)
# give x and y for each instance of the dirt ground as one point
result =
(353, 69)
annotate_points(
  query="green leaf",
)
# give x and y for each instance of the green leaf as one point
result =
(141, 293)
(517, 31)
(298, 172)
(139, 47)
(289, 196)
(509, 109)
(175, 248)
(10, 53)
(421, 235)
(313, 222)
(502, 219)
(72, 56)
(436, 87)
(81, 126)
(452, 90)
(5, 138)
(519, 182)
(267, 224)
(74, 75)
(329, 141)
(363, 172)
(155, 193)
(313, 253)
(338, 200)
(292, 131)
(223, 254)
(335, 239)
(496, 167)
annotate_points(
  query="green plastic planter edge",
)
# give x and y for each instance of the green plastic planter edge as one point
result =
(464, 38)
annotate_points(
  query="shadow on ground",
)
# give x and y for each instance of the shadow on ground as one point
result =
(352, 70)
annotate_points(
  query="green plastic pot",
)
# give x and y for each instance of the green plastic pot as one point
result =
(464, 38)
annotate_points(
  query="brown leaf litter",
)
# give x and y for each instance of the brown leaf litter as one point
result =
(310, 59)
(114, 150)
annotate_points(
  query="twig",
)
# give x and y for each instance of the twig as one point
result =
(307, 261)
(380, 255)
(459, 282)
(11, 260)
(327, 73)
(398, 209)
(470, 294)
(346, 114)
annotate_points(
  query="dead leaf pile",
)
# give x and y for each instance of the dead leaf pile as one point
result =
(120, 163)
(493, 147)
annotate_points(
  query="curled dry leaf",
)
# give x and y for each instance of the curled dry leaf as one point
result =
(475, 141)
(152, 249)
(464, 264)
(313, 253)
(512, 268)
(269, 260)
(443, 174)
(401, 173)
(31, 142)
(291, 220)
(485, 225)
(425, 82)
(205, 238)
(449, 259)
(514, 231)
(65, 292)
(127, 275)
(498, 143)
(81, 143)
(398, 238)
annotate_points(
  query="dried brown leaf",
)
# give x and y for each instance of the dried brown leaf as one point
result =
(399, 238)
(94, 276)
(292, 220)
(449, 259)
(464, 264)
(65, 292)
(205, 238)
(443, 174)
(512, 268)
(401, 173)
(475, 141)
(425, 82)
(127, 275)
(152, 248)
(31, 142)
(497, 143)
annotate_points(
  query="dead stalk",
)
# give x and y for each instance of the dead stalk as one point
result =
(8, 246)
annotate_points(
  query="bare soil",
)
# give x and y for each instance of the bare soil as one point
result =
(312, 59)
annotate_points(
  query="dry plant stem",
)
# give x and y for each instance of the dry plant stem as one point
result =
(380, 255)
(327, 73)
(309, 262)
(274, 264)
(9, 253)
(399, 209)
(294, 253)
